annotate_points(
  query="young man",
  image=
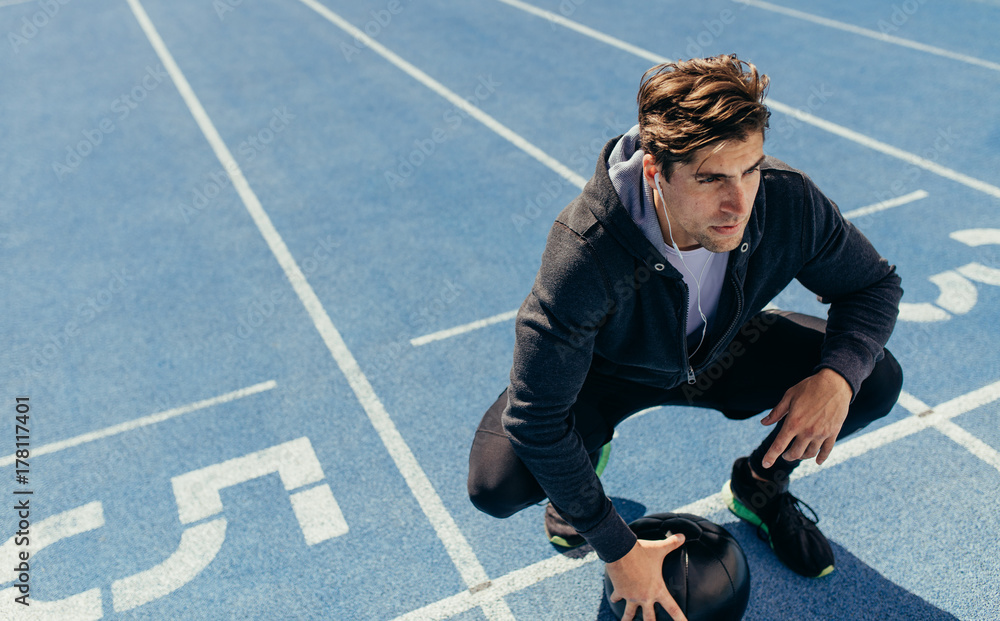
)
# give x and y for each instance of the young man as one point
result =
(651, 292)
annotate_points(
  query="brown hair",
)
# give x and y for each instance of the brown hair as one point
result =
(690, 104)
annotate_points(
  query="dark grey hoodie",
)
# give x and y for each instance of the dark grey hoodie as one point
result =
(606, 300)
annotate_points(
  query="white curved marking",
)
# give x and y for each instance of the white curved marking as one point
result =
(923, 312)
(977, 237)
(958, 295)
(50, 530)
(199, 545)
(197, 492)
(981, 273)
(319, 515)
(84, 606)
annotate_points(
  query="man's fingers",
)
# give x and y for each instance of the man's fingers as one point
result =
(778, 447)
(672, 609)
(777, 413)
(674, 542)
(629, 614)
(649, 613)
(825, 451)
(798, 450)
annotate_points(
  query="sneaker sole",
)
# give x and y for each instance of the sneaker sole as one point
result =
(744, 513)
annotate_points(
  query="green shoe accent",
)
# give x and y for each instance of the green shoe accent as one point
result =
(744, 513)
(602, 462)
(562, 543)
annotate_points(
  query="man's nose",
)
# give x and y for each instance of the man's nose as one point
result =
(738, 200)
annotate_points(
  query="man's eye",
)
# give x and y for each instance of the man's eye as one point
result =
(707, 180)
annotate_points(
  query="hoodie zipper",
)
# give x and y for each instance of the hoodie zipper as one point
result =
(687, 303)
(736, 320)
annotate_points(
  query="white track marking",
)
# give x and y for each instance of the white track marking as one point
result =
(444, 525)
(889, 204)
(197, 492)
(510, 583)
(500, 129)
(152, 419)
(320, 518)
(981, 273)
(873, 34)
(318, 514)
(85, 606)
(975, 446)
(911, 404)
(977, 237)
(844, 451)
(199, 545)
(922, 312)
(777, 106)
(4, 3)
(587, 31)
(50, 530)
(958, 295)
(469, 327)
(887, 149)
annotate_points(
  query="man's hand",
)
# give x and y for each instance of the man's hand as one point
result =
(814, 411)
(638, 579)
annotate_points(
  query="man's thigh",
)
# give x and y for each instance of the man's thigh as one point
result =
(771, 353)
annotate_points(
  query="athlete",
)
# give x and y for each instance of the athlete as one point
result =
(652, 291)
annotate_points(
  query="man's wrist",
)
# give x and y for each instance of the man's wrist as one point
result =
(839, 379)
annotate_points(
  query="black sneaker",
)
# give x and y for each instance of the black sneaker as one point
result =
(767, 505)
(558, 530)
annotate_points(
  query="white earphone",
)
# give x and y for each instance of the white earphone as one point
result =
(670, 231)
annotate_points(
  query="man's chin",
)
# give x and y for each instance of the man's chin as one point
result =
(722, 245)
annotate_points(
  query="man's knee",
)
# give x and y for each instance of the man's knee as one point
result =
(497, 497)
(489, 501)
(499, 484)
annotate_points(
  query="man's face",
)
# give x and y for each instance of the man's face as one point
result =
(708, 201)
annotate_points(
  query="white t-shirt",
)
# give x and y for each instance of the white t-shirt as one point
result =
(707, 267)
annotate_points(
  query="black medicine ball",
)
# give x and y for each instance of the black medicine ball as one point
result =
(708, 576)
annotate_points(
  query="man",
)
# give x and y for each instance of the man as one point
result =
(651, 291)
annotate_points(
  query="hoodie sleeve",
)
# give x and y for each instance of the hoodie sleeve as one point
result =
(863, 290)
(555, 332)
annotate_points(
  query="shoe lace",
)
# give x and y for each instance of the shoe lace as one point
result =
(789, 507)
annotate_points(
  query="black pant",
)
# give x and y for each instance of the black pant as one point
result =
(771, 353)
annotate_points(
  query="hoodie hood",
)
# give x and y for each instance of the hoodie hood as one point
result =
(625, 171)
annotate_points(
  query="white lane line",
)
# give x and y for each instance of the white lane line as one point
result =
(777, 106)
(4, 3)
(452, 97)
(469, 327)
(873, 34)
(714, 503)
(889, 204)
(877, 145)
(913, 405)
(152, 419)
(454, 541)
(975, 446)
(511, 583)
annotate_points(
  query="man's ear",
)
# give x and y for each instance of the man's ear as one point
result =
(649, 168)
